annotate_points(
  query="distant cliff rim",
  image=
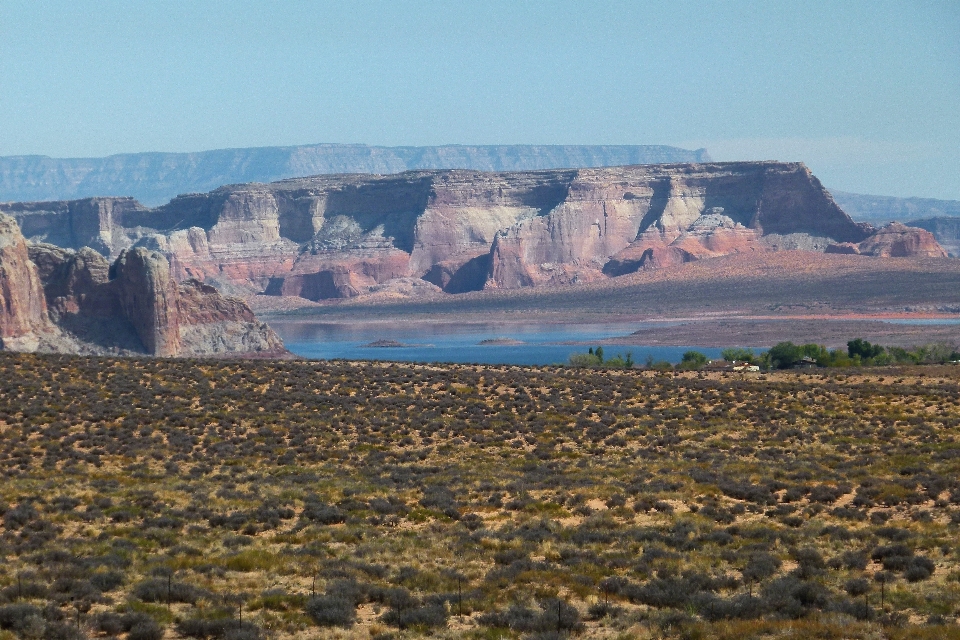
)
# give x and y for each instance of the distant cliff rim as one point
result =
(154, 178)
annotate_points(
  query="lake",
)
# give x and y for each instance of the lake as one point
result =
(539, 344)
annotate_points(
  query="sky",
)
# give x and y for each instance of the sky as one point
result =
(866, 93)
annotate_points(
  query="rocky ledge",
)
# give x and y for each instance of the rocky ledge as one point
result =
(60, 300)
(342, 236)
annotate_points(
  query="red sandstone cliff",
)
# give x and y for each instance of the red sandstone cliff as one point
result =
(340, 236)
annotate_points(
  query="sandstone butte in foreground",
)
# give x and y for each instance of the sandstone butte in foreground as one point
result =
(423, 232)
(60, 300)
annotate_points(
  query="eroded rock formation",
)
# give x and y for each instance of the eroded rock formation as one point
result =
(896, 240)
(57, 299)
(341, 236)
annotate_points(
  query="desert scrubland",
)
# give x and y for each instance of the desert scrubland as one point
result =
(245, 499)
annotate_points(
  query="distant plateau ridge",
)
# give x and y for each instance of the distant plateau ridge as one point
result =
(155, 178)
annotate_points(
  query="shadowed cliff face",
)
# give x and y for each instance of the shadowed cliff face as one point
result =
(339, 236)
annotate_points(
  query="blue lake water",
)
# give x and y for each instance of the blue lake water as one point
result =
(541, 343)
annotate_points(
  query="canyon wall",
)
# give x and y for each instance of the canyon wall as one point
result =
(341, 236)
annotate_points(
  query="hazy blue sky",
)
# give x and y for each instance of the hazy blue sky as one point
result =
(866, 93)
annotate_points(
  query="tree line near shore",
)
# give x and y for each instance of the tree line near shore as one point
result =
(787, 355)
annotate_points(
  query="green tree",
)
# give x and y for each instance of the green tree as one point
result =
(737, 354)
(599, 353)
(692, 360)
(784, 355)
(864, 349)
(900, 355)
(816, 352)
(584, 360)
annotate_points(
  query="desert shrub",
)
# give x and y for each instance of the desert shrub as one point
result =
(228, 629)
(809, 563)
(112, 624)
(16, 617)
(423, 617)
(246, 631)
(145, 630)
(613, 585)
(161, 591)
(332, 611)
(919, 568)
(24, 589)
(472, 521)
(107, 580)
(65, 503)
(553, 614)
(760, 566)
(323, 513)
(350, 589)
(857, 586)
(440, 498)
(394, 597)
(235, 520)
(233, 542)
(600, 610)
(791, 597)
(62, 631)
(76, 589)
(21, 515)
(894, 534)
(826, 493)
(742, 606)
(509, 556)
